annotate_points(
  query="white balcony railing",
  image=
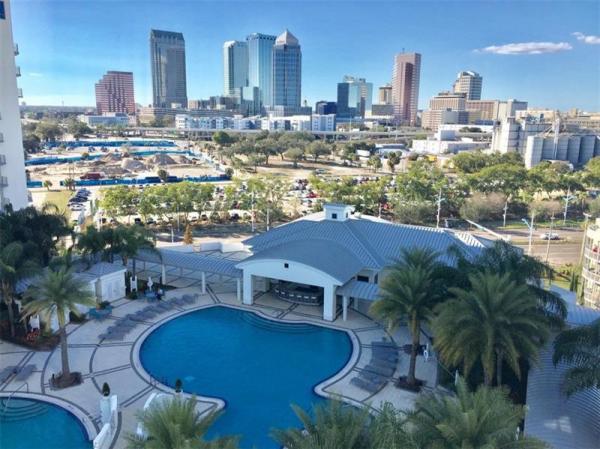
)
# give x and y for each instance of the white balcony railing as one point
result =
(16, 49)
(2, 158)
(20, 92)
(18, 71)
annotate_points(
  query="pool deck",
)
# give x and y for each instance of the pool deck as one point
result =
(117, 363)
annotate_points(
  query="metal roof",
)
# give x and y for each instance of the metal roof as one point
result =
(192, 261)
(358, 289)
(104, 268)
(324, 255)
(372, 242)
(564, 423)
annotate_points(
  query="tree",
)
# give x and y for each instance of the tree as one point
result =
(127, 241)
(59, 292)
(188, 238)
(47, 183)
(222, 138)
(14, 266)
(317, 149)
(374, 162)
(78, 129)
(175, 423)
(493, 321)
(69, 183)
(481, 207)
(48, 131)
(91, 243)
(389, 430)
(485, 418)
(392, 160)
(120, 201)
(579, 347)
(162, 174)
(295, 154)
(409, 291)
(591, 173)
(335, 426)
(256, 159)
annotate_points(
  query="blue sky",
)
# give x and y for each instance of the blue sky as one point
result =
(523, 50)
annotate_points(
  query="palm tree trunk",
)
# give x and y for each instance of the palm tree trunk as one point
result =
(415, 332)
(133, 266)
(498, 369)
(64, 350)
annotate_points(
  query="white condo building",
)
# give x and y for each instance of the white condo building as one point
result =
(13, 181)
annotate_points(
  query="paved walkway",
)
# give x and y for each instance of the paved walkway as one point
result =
(117, 364)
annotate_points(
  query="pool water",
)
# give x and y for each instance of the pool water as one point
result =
(31, 424)
(257, 366)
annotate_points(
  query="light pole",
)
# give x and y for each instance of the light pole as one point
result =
(530, 226)
(549, 239)
(568, 198)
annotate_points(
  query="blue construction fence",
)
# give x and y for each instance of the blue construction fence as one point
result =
(145, 181)
(110, 143)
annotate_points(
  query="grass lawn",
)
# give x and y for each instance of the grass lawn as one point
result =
(59, 198)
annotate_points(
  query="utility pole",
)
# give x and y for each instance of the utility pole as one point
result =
(549, 238)
(530, 226)
(505, 212)
(252, 213)
(439, 208)
(568, 198)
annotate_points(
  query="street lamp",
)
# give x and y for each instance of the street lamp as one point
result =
(530, 226)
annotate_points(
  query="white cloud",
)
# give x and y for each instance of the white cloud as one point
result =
(526, 48)
(35, 74)
(588, 39)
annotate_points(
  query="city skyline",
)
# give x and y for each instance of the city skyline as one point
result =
(511, 60)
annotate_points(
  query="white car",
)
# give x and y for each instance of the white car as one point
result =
(550, 236)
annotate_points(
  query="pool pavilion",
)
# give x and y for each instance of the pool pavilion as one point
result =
(332, 259)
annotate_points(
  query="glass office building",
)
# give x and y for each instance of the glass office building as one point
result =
(167, 56)
(260, 66)
(354, 97)
(235, 68)
(287, 72)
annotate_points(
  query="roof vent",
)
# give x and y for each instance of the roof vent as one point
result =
(338, 212)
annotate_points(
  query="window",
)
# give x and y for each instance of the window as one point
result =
(286, 265)
(334, 216)
(2, 12)
(360, 278)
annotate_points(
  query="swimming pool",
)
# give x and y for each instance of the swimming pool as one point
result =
(28, 423)
(257, 366)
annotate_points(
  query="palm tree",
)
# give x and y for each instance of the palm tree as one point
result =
(335, 426)
(581, 347)
(177, 424)
(409, 291)
(389, 430)
(129, 240)
(59, 292)
(485, 418)
(504, 258)
(91, 243)
(493, 321)
(13, 267)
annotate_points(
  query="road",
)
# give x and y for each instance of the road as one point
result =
(563, 251)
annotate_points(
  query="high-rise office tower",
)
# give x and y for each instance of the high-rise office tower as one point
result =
(405, 87)
(235, 68)
(167, 55)
(385, 94)
(354, 97)
(13, 181)
(287, 72)
(260, 67)
(325, 107)
(114, 93)
(468, 83)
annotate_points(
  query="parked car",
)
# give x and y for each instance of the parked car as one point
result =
(550, 236)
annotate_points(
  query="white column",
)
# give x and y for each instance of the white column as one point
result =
(344, 307)
(163, 274)
(203, 283)
(238, 283)
(329, 302)
(248, 289)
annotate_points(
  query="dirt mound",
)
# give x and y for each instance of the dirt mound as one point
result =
(111, 157)
(162, 159)
(132, 164)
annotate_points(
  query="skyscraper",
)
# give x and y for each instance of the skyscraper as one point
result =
(354, 97)
(235, 68)
(385, 94)
(260, 67)
(468, 83)
(167, 55)
(13, 182)
(405, 87)
(114, 93)
(287, 72)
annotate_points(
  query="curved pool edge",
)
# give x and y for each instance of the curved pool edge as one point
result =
(221, 403)
(78, 413)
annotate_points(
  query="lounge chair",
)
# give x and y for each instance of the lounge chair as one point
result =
(188, 299)
(25, 372)
(7, 372)
(381, 369)
(178, 301)
(372, 384)
(165, 306)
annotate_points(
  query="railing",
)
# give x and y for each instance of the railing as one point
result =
(2, 157)
(1, 138)
(18, 71)
(13, 393)
(16, 49)
(3, 181)
(20, 92)
(293, 294)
